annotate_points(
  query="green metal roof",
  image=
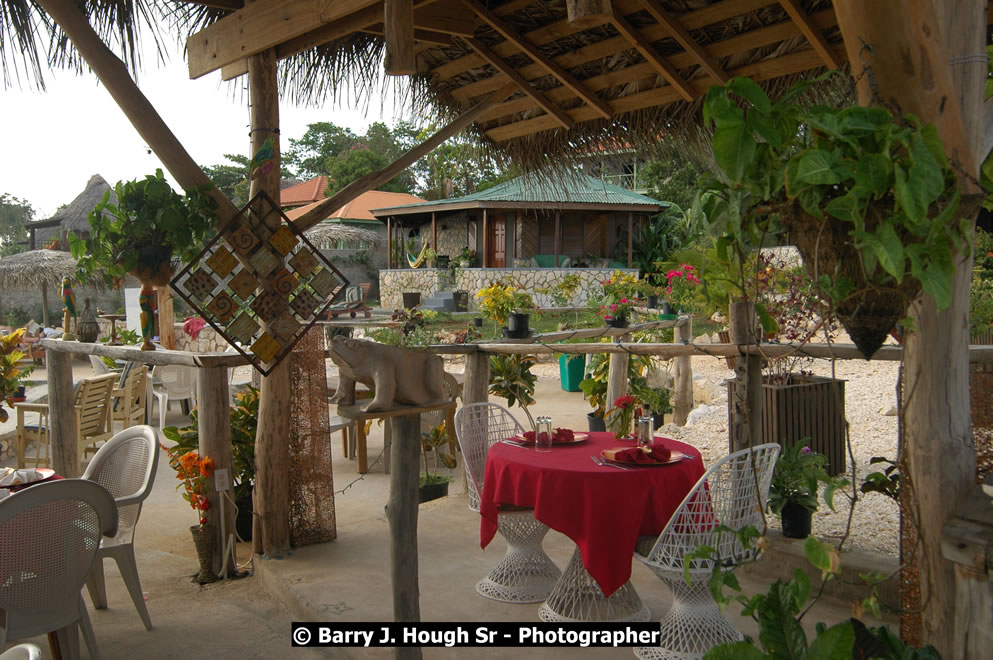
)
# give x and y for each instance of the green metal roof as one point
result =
(579, 189)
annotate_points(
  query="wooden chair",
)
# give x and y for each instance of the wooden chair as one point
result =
(129, 399)
(91, 402)
(355, 296)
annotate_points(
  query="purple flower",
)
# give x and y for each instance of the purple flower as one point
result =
(806, 450)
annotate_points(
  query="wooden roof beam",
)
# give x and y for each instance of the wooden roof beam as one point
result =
(399, 36)
(497, 62)
(548, 63)
(652, 56)
(814, 37)
(260, 26)
(682, 36)
(424, 36)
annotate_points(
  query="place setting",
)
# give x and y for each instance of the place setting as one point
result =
(546, 437)
(11, 478)
(649, 450)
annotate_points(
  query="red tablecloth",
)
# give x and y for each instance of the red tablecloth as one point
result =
(603, 509)
(54, 477)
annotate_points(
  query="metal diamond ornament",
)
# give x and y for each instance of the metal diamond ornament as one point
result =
(260, 283)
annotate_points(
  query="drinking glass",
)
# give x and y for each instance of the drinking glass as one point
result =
(543, 439)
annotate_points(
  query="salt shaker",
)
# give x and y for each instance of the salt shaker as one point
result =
(645, 430)
(543, 436)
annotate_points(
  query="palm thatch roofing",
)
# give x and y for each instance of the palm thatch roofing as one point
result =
(35, 268)
(74, 216)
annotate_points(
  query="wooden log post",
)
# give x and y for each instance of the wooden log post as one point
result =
(61, 414)
(617, 375)
(398, 33)
(588, 13)
(271, 497)
(167, 319)
(214, 430)
(683, 334)
(401, 513)
(476, 388)
(747, 405)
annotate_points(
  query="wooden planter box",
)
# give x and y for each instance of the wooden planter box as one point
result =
(810, 409)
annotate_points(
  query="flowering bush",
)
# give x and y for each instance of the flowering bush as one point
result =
(499, 300)
(619, 295)
(195, 474)
(681, 286)
(620, 418)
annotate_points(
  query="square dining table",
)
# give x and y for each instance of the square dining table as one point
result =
(603, 509)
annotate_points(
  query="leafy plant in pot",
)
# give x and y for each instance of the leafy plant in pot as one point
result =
(793, 492)
(869, 199)
(12, 376)
(511, 378)
(432, 484)
(594, 386)
(507, 303)
(244, 417)
(149, 227)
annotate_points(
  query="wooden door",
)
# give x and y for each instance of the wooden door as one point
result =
(496, 242)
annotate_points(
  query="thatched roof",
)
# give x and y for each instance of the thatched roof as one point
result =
(73, 217)
(36, 267)
(323, 234)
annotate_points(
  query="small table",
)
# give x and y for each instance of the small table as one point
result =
(113, 318)
(603, 509)
(356, 414)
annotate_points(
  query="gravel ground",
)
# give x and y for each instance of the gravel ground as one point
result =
(870, 392)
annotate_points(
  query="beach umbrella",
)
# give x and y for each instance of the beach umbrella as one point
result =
(37, 268)
(324, 234)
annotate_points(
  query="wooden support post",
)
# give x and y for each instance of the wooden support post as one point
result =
(617, 374)
(558, 235)
(630, 239)
(214, 430)
(476, 388)
(483, 260)
(747, 404)
(389, 242)
(271, 529)
(401, 513)
(167, 319)
(683, 334)
(398, 33)
(62, 414)
(434, 232)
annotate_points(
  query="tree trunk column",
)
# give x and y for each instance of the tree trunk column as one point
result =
(214, 431)
(747, 404)
(683, 334)
(62, 414)
(401, 513)
(271, 528)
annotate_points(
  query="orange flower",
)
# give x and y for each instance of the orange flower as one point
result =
(189, 460)
(206, 466)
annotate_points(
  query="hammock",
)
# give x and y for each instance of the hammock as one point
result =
(416, 263)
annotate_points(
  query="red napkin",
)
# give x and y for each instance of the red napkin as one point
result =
(558, 436)
(658, 454)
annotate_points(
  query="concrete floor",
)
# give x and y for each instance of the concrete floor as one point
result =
(347, 580)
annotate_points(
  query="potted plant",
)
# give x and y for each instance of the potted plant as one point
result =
(507, 304)
(244, 423)
(618, 296)
(429, 256)
(511, 379)
(620, 418)
(432, 484)
(12, 376)
(793, 491)
(461, 299)
(682, 285)
(466, 258)
(149, 227)
(656, 400)
(594, 386)
(195, 475)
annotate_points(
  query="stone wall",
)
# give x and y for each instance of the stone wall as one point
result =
(429, 281)
(208, 341)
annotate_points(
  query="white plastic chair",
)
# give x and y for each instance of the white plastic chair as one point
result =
(125, 465)
(49, 535)
(173, 382)
(21, 652)
(730, 493)
(525, 574)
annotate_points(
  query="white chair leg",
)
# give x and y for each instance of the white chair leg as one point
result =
(525, 574)
(124, 556)
(577, 597)
(96, 586)
(693, 624)
(163, 400)
(87, 629)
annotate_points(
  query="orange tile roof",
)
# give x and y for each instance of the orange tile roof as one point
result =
(360, 207)
(304, 193)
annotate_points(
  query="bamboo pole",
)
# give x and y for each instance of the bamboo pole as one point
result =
(271, 529)
(62, 415)
(214, 431)
(401, 513)
(683, 334)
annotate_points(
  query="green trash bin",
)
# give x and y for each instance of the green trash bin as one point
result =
(571, 371)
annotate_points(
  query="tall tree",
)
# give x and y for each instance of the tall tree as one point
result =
(308, 156)
(670, 178)
(14, 213)
(233, 180)
(357, 163)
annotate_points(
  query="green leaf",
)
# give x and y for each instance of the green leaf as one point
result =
(802, 582)
(768, 322)
(889, 250)
(734, 149)
(817, 166)
(780, 632)
(835, 643)
(821, 555)
(848, 207)
(810, 200)
(735, 651)
(938, 273)
(752, 92)
(873, 174)
(910, 199)
(929, 134)
(926, 176)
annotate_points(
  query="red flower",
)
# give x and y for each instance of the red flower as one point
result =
(624, 401)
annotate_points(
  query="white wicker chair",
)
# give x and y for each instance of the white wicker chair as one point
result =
(525, 574)
(22, 652)
(125, 465)
(730, 493)
(49, 535)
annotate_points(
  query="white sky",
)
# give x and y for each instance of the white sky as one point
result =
(56, 139)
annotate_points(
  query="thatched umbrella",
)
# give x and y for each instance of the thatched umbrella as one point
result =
(37, 267)
(324, 233)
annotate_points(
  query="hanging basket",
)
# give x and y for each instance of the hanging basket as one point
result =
(154, 265)
(827, 248)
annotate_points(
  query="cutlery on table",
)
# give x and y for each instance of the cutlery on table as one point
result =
(599, 461)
